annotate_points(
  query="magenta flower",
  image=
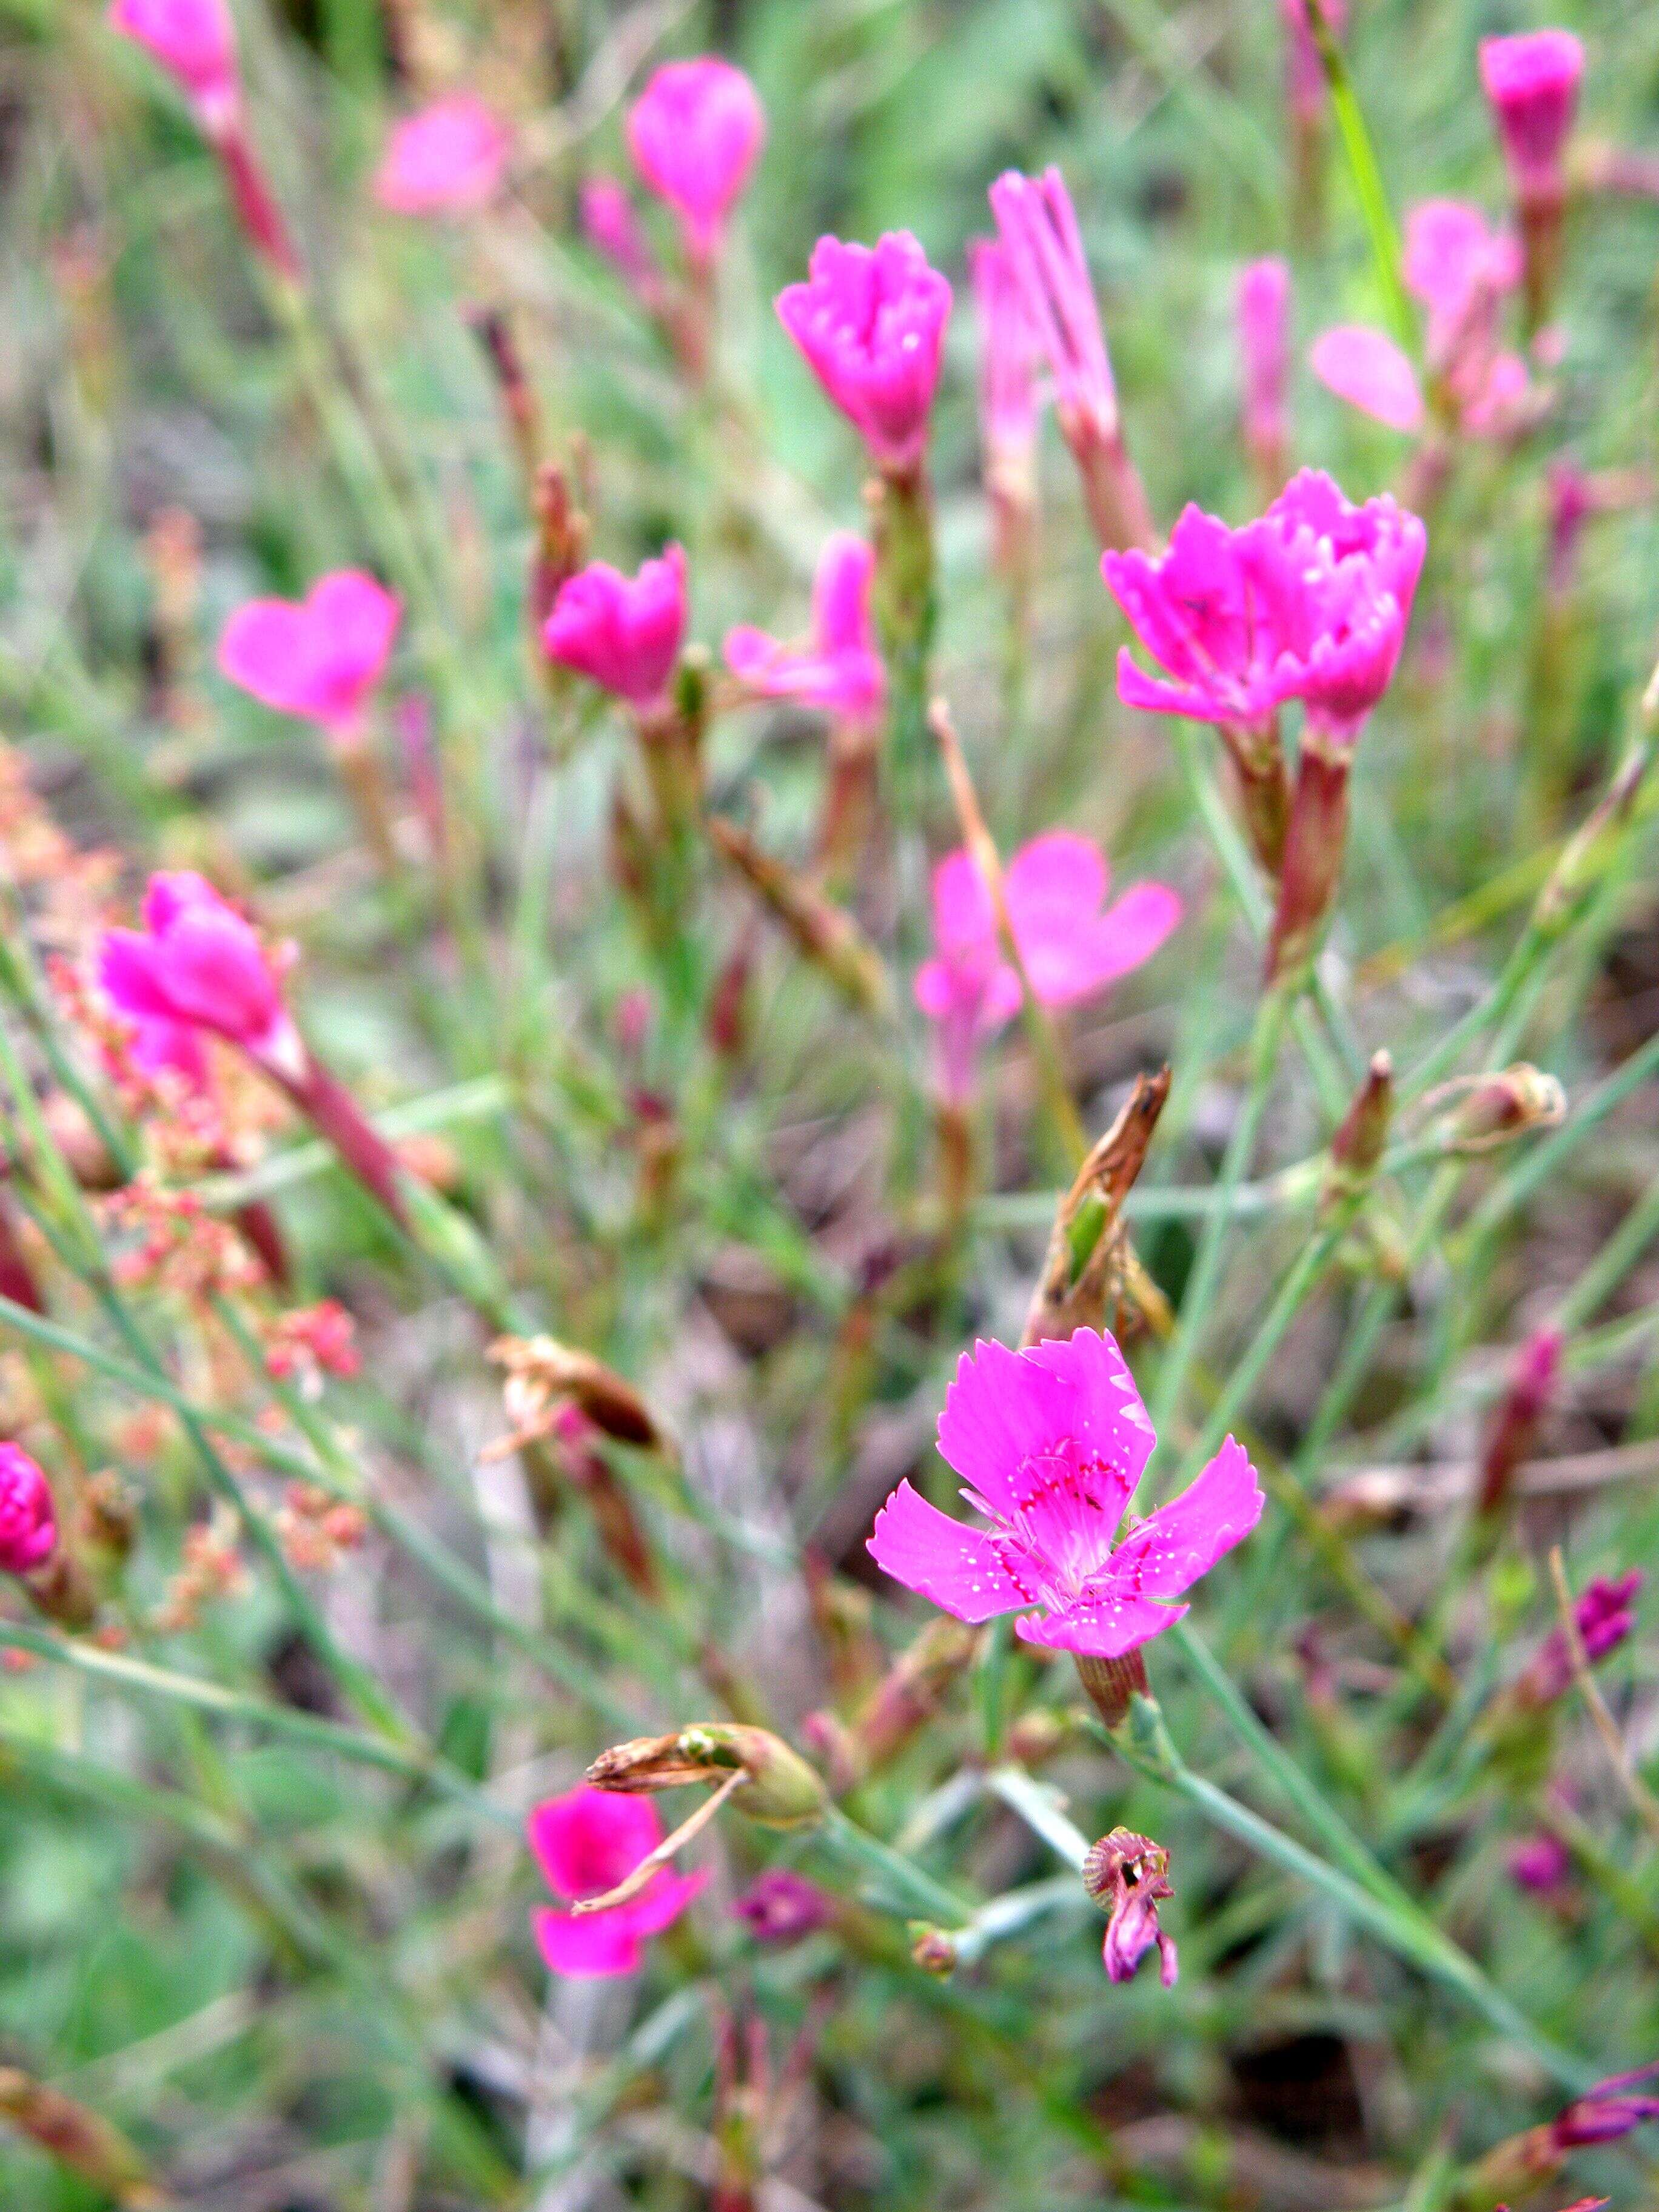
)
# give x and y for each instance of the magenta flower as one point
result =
(318, 658)
(1459, 268)
(28, 1518)
(586, 1843)
(613, 229)
(1008, 400)
(1262, 307)
(1055, 887)
(1039, 226)
(622, 632)
(839, 671)
(1198, 610)
(1542, 1863)
(1366, 367)
(695, 133)
(1605, 1614)
(195, 41)
(1053, 1442)
(870, 324)
(1532, 82)
(781, 1906)
(1606, 2111)
(197, 964)
(449, 159)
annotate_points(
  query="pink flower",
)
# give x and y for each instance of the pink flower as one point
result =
(1510, 1436)
(1606, 2111)
(839, 671)
(780, 1906)
(1366, 367)
(586, 1843)
(624, 632)
(1007, 366)
(1196, 609)
(1054, 888)
(1053, 1442)
(1605, 1614)
(870, 323)
(1305, 72)
(1037, 225)
(1532, 82)
(29, 1519)
(1262, 305)
(449, 159)
(1459, 268)
(1127, 1876)
(1540, 1862)
(198, 964)
(318, 658)
(613, 229)
(695, 133)
(195, 41)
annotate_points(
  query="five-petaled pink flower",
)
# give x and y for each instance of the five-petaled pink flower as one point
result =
(586, 1843)
(1050, 1443)
(318, 657)
(870, 322)
(28, 1518)
(195, 41)
(1039, 226)
(1055, 889)
(839, 671)
(624, 632)
(695, 133)
(449, 159)
(1532, 81)
(197, 964)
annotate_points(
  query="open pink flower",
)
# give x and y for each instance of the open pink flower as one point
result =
(449, 159)
(622, 632)
(839, 671)
(1459, 268)
(1052, 1443)
(695, 133)
(1055, 887)
(586, 1843)
(318, 658)
(1039, 226)
(1008, 402)
(28, 1518)
(198, 964)
(1532, 82)
(1263, 310)
(1198, 610)
(870, 323)
(195, 41)
(1366, 367)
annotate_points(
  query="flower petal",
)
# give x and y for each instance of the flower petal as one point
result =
(1172, 1547)
(596, 1946)
(959, 1568)
(1101, 1623)
(1366, 367)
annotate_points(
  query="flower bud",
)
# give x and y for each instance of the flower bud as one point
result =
(543, 1376)
(780, 1906)
(1532, 1382)
(1358, 1143)
(1498, 1107)
(781, 1791)
(933, 1949)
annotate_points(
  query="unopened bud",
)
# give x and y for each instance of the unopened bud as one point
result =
(781, 1790)
(1087, 1263)
(933, 1949)
(1495, 1108)
(1532, 1382)
(1358, 1143)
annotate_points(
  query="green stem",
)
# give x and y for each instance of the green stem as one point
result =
(1368, 184)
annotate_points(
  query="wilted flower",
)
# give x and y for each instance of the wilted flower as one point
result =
(1054, 1440)
(1054, 889)
(1532, 81)
(870, 323)
(198, 964)
(195, 41)
(587, 1844)
(544, 1379)
(781, 1906)
(1262, 313)
(1126, 1876)
(695, 133)
(449, 159)
(624, 632)
(318, 657)
(28, 1518)
(1611, 2109)
(839, 670)
(778, 1788)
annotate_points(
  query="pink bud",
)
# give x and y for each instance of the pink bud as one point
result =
(1541, 1863)
(1532, 1383)
(624, 633)
(449, 159)
(1039, 226)
(1263, 310)
(695, 133)
(1604, 1614)
(1608, 2111)
(780, 1906)
(29, 1519)
(870, 323)
(612, 228)
(1305, 72)
(195, 41)
(1007, 358)
(198, 964)
(318, 657)
(1366, 367)
(1532, 82)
